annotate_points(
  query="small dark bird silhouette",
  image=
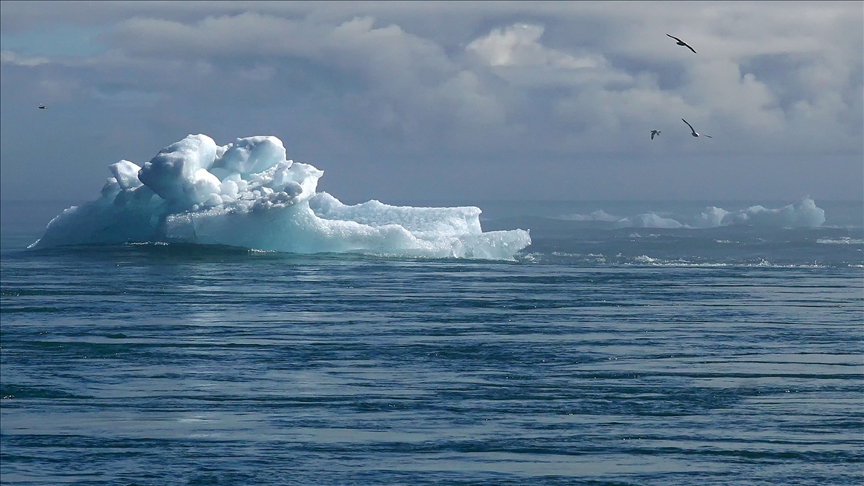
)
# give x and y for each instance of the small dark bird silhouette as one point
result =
(694, 132)
(682, 43)
(654, 132)
(42, 107)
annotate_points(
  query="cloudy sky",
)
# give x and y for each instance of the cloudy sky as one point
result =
(449, 101)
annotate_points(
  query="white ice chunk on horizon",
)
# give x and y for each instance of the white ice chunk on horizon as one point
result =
(802, 214)
(649, 220)
(598, 215)
(712, 217)
(247, 194)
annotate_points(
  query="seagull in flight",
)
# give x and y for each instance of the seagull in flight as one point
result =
(654, 132)
(42, 107)
(682, 43)
(694, 132)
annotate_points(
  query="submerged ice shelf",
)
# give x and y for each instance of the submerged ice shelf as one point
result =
(248, 194)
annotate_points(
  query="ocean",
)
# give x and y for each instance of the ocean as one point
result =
(624, 346)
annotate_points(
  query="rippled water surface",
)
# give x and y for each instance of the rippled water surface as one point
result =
(599, 356)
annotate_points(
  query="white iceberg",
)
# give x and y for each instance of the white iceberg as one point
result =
(802, 214)
(247, 194)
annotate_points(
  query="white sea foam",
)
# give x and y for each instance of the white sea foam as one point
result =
(645, 259)
(248, 194)
(845, 240)
(684, 263)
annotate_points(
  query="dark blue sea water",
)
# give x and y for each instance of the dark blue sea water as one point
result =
(601, 355)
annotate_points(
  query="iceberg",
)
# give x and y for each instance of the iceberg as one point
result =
(248, 194)
(802, 214)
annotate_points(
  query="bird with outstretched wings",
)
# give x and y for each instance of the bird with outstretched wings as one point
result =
(682, 43)
(694, 132)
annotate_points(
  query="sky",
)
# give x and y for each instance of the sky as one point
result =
(446, 101)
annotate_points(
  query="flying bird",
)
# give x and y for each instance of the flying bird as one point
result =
(654, 132)
(682, 43)
(694, 132)
(42, 107)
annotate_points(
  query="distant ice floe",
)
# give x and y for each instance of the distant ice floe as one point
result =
(845, 240)
(801, 214)
(247, 194)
